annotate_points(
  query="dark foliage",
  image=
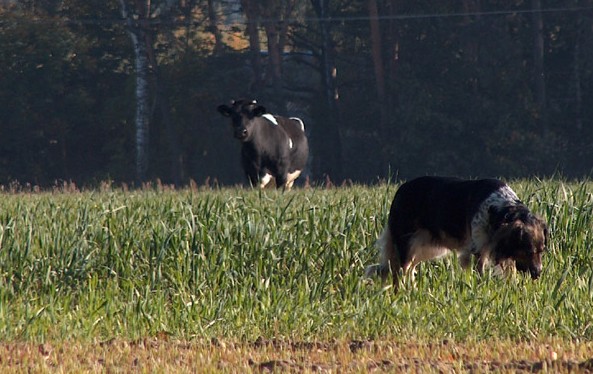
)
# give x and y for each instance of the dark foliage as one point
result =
(460, 97)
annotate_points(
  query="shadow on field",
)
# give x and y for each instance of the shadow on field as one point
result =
(366, 357)
(164, 353)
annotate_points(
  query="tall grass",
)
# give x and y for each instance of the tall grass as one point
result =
(239, 264)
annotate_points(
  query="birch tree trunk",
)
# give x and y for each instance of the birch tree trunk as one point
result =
(141, 62)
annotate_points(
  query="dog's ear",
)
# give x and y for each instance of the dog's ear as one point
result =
(546, 232)
(512, 237)
(509, 214)
(518, 233)
(501, 216)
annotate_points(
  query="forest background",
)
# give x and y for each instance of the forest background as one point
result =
(126, 91)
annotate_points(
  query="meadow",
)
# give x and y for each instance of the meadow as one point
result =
(248, 277)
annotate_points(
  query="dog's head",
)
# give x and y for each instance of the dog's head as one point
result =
(520, 236)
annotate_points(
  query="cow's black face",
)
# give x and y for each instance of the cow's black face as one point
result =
(242, 114)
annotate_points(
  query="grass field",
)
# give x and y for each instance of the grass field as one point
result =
(233, 279)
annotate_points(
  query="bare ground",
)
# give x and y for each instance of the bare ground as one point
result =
(165, 354)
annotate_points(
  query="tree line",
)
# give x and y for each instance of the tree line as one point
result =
(127, 90)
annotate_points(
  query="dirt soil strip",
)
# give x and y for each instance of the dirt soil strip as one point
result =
(164, 354)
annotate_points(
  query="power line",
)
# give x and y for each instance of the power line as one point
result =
(441, 15)
(341, 19)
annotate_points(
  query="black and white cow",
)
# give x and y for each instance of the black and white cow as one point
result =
(273, 147)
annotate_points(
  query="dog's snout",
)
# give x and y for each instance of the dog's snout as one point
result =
(535, 271)
(534, 275)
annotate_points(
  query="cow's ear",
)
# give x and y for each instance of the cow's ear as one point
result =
(225, 110)
(258, 111)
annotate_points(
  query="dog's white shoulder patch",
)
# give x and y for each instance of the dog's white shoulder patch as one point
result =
(505, 196)
(299, 121)
(502, 197)
(270, 118)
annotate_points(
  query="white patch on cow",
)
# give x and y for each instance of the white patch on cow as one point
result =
(265, 180)
(299, 121)
(291, 177)
(290, 143)
(270, 118)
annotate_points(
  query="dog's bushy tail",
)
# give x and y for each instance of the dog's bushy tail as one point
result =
(386, 249)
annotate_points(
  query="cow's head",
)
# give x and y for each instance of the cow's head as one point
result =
(242, 114)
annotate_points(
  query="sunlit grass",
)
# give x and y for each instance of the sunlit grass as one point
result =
(241, 264)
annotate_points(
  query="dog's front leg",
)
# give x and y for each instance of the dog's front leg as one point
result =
(481, 260)
(465, 258)
(480, 265)
(505, 267)
(480, 247)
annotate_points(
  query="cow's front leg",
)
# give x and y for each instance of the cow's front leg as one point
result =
(251, 167)
(252, 172)
(282, 174)
(264, 179)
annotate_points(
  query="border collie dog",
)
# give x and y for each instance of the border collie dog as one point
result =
(433, 216)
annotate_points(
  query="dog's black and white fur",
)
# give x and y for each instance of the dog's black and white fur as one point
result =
(433, 216)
